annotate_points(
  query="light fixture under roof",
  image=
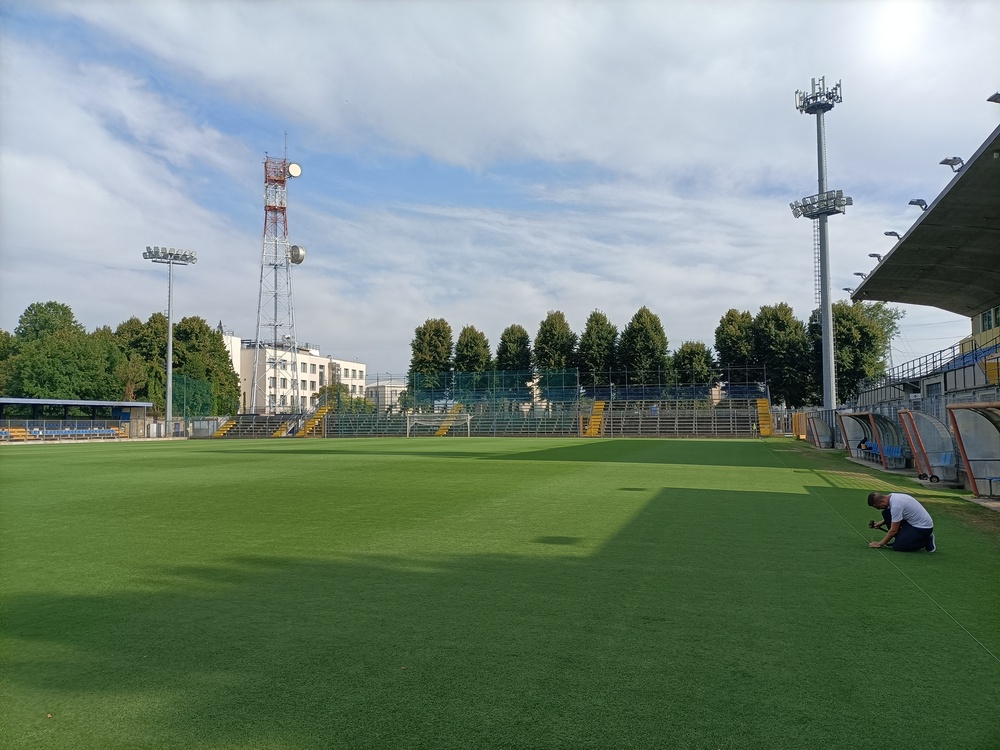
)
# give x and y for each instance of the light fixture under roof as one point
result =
(919, 202)
(955, 162)
(893, 234)
(876, 256)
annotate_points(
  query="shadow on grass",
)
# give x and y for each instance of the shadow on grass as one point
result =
(746, 453)
(681, 631)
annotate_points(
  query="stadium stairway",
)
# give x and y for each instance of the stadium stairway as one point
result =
(764, 417)
(311, 428)
(446, 425)
(221, 432)
(596, 421)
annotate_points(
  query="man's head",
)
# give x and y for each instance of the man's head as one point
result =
(878, 500)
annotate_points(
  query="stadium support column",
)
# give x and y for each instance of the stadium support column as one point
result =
(818, 207)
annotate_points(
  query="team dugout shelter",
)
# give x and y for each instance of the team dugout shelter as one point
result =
(46, 419)
(950, 259)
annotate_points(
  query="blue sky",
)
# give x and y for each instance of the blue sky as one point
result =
(484, 162)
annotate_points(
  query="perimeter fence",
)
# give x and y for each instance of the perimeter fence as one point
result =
(557, 403)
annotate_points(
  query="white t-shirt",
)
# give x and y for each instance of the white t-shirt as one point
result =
(906, 508)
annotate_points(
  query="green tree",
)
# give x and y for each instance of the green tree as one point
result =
(42, 319)
(597, 351)
(514, 349)
(782, 345)
(66, 365)
(472, 351)
(554, 353)
(695, 365)
(643, 350)
(862, 336)
(473, 360)
(200, 354)
(734, 344)
(514, 356)
(338, 397)
(431, 359)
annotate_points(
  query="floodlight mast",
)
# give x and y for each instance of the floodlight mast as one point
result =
(818, 207)
(170, 258)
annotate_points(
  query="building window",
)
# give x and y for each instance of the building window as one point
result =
(395, 393)
(302, 402)
(270, 382)
(312, 369)
(304, 367)
(281, 364)
(988, 320)
(303, 384)
(354, 374)
(933, 389)
(322, 380)
(270, 399)
(361, 374)
(354, 389)
(312, 385)
(284, 400)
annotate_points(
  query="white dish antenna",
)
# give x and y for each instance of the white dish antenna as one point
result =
(296, 254)
(294, 170)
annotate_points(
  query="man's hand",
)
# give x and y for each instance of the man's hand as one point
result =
(875, 544)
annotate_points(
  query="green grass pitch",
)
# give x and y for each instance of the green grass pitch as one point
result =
(484, 593)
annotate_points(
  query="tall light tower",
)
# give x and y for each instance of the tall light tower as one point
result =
(818, 207)
(171, 258)
(275, 365)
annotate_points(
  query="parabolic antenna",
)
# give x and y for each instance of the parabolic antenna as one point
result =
(296, 253)
(294, 170)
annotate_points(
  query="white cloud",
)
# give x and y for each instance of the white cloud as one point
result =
(626, 154)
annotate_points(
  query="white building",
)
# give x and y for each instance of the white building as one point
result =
(383, 391)
(287, 379)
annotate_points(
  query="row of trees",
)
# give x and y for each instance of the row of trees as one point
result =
(772, 344)
(51, 355)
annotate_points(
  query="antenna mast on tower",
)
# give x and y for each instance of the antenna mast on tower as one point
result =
(275, 367)
(818, 207)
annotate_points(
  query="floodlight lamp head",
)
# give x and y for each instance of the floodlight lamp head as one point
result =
(861, 274)
(893, 234)
(919, 202)
(876, 256)
(848, 290)
(995, 98)
(955, 162)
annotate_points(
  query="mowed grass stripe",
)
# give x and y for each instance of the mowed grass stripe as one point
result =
(475, 593)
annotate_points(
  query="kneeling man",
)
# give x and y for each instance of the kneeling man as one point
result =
(909, 522)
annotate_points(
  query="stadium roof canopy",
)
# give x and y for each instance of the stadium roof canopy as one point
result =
(71, 402)
(950, 257)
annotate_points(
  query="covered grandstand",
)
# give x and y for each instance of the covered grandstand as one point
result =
(948, 259)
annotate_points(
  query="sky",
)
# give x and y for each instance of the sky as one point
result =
(482, 162)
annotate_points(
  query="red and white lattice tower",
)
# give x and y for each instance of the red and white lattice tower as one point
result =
(275, 367)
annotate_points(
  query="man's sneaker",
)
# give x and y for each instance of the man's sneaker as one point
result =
(931, 547)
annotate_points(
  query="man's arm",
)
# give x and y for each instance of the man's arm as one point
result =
(893, 530)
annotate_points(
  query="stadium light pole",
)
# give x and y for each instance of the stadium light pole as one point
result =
(171, 258)
(819, 207)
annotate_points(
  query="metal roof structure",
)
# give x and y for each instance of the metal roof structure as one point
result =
(71, 402)
(950, 257)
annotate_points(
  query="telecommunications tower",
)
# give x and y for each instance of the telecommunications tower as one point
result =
(818, 207)
(275, 362)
